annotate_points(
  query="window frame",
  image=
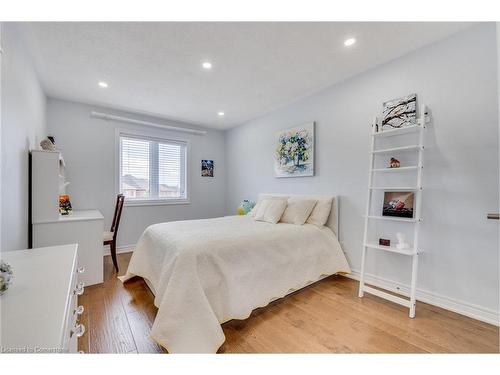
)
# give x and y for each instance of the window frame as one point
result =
(158, 137)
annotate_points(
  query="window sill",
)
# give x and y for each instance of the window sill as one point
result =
(155, 202)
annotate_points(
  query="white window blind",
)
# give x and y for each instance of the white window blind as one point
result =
(152, 169)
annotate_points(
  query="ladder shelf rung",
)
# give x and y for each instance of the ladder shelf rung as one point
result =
(391, 249)
(393, 218)
(398, 149)
(387, 296)
(400, 188)
(400, 131)
(400, 169)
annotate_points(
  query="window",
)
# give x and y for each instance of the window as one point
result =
(152, 170)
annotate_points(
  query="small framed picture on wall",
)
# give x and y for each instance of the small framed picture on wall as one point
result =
(207, 168)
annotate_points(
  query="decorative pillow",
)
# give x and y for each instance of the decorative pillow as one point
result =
(270, 210)
(254, 210)
(321, 212)
(298, 210)
(263, 196)
(271, 196)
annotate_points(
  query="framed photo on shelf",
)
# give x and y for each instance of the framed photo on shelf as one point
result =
(398, 204)
(384, 242)
(398, 113)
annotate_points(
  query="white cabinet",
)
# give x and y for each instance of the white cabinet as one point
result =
(39, 312)
(49, 228)
(84, 227)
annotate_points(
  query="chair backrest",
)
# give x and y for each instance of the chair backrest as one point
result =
(120, 198)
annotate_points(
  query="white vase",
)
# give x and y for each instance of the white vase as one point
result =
(401, 241)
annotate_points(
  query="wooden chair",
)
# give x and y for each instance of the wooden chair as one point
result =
(109, 238)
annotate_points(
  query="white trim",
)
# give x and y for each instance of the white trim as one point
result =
(119, 250)
(154, 202)
(460, 307)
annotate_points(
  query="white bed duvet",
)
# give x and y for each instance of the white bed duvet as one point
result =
(206, 272)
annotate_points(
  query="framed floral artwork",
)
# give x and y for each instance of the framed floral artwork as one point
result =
(294, 154)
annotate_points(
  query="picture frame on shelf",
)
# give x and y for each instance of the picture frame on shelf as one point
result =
(399, 204)
(384, 242)
(399, 113)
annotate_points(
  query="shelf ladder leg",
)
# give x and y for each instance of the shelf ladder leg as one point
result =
(413, 289)
(418, 211)
(362, 275)
(368, 205)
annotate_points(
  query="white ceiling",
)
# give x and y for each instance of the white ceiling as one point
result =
(155, 68)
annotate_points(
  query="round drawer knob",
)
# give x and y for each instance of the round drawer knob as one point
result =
(78, 330)
(79, 310)
(80, 288)
(80, 270)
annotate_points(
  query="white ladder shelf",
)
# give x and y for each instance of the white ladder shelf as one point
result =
(416, 221)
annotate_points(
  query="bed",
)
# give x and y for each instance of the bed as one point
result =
(206, 272)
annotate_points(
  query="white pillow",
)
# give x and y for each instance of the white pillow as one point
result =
(254, 210)
(321, 212)
(261, 198)
(270, 210)
(298, 210)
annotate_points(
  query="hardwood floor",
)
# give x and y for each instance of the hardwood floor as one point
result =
(326, 317)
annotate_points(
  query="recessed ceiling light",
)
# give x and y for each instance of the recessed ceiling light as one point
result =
(207, 65)
(103, 84)
(221, 114)
(349, 42)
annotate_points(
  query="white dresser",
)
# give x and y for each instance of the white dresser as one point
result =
(39, 312)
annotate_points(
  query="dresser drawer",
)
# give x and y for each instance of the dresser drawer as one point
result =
(73, 328)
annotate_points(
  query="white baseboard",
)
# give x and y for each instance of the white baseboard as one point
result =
(119, 249)
(460, 307)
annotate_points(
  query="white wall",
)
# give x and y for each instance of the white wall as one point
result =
(88, 147)
(457, 79)
(23, 126)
